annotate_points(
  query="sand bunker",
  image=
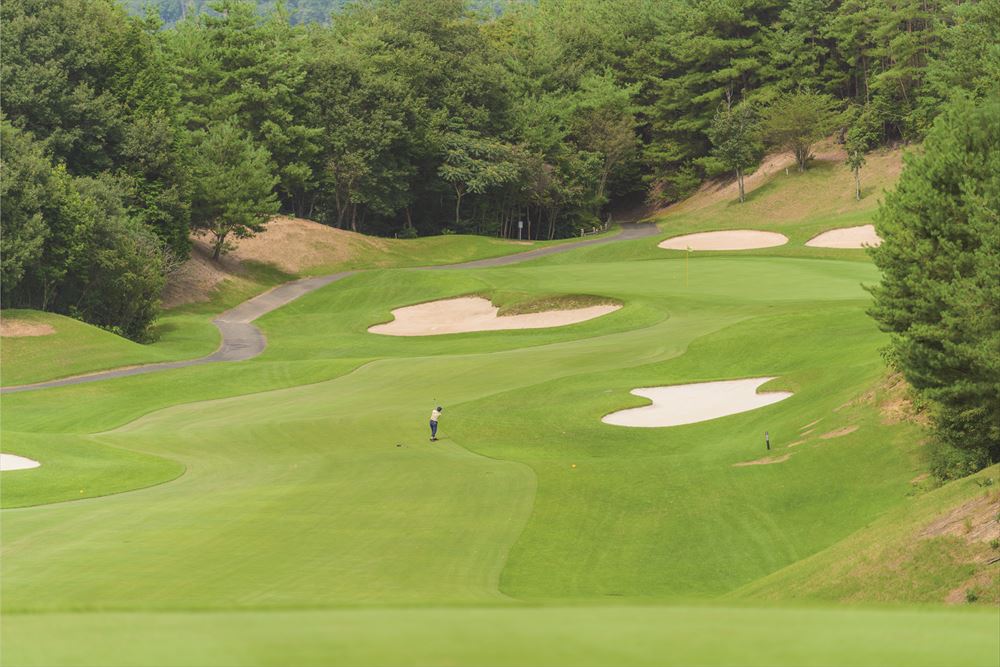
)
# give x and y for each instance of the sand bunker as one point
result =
(735, 239)
(846, 237)
(467, 314)
(17, 328)
(15, 462)
(691, 403)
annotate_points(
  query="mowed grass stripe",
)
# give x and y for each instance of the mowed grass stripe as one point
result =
(300, 496)
(491, 637)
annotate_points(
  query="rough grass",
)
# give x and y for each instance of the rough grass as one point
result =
(933, 548)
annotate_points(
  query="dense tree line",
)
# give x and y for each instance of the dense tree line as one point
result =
(940, 293)
(414, 117)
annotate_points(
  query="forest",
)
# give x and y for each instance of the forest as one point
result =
(123, 133)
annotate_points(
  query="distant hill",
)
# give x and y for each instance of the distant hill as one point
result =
(300, 11)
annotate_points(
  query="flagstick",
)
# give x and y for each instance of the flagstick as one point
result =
(686, 267)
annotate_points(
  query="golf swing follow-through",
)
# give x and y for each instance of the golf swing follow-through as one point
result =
(435, 415)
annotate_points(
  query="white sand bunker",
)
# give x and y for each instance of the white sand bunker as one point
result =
(691, 403)
(734, 239)
(466, 314)
(15, 462)
(846, 237)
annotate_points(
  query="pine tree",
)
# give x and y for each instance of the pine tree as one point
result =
(940, 292)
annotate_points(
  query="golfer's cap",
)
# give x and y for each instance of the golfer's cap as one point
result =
(439, 408)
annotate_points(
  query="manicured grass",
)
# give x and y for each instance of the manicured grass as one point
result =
(895, 559)
(76, 348)
(277, 468)
(187, 332)
(435, 250)
(584, 636)
(314, 523)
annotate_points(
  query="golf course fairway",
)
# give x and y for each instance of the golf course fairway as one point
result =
(291, 510)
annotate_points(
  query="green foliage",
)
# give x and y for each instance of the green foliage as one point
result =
(69, 245)
(862, 136)
(26, 185)
(233, 193)
(391, 115)
(736, 140)
(940, 296)
(794, 122)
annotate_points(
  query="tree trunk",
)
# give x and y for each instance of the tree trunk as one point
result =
(220, 240)
(739, 179)
(857, 183)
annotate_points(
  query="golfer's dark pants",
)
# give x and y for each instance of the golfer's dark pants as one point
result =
(434, 429)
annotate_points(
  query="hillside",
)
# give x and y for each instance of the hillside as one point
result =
(295, 247)
(939, 546)
(798, 204)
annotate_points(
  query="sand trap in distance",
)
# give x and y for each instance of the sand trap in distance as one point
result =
(472, 313)
(734, 239)
(17, 328)
(15, 462)
(846, 237)
(691, 403)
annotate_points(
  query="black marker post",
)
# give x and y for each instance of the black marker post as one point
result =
(767, 440)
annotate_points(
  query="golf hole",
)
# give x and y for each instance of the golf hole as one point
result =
(681, 404)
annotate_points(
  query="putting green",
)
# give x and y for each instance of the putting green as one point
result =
(300, 488)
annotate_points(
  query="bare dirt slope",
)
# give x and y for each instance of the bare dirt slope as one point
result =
(294, 245)
(290, 244)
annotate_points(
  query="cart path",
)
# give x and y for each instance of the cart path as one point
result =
(241, 340)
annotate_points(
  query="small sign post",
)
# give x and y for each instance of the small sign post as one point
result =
(520, 226)
(767, 440)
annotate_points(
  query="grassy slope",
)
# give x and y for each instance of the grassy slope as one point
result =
(896, 558)
(298, 497)
(186, 332)
(433, 250)
(799, 205)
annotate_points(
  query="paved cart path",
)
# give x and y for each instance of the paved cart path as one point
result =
(242, 340)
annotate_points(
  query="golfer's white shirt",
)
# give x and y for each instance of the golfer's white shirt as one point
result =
(434, 415)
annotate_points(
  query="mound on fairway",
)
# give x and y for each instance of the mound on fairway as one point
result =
(736, 239)
(467, 314)
(846, 237)
(691, 403)
(15, 462)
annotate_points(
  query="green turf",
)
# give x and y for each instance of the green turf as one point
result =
(186, 332)
(315, 524)
(583, 636)
(893, 559)
(76, 348)
(435, 250)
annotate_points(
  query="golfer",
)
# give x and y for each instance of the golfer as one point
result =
(435, 415)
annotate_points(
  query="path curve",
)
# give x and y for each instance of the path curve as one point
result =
(241, 340)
